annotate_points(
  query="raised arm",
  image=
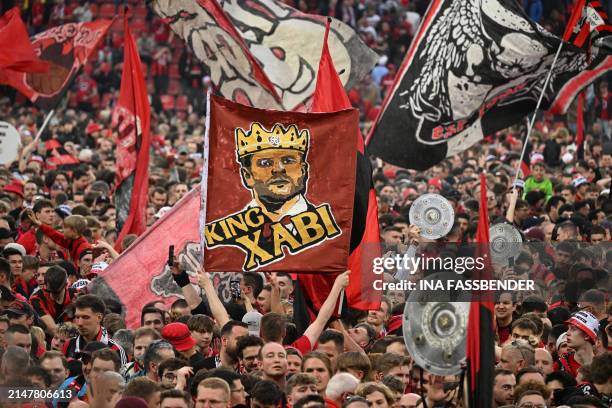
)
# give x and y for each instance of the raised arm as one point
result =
(216, 306)
(327, 309)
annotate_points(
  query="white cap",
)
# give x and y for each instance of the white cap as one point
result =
(80, 284)
(562, 339)
(98, 267)
(162, 211)
(586, 322)
(580, 180)
(253, 320)
(16, 246)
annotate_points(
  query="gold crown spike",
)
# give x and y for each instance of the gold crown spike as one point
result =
(258, 139)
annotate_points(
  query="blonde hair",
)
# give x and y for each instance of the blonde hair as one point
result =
(76, 222)
(216, 384)
(39, 334)
(365, 389)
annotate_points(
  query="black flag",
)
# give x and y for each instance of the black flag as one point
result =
(474, 68)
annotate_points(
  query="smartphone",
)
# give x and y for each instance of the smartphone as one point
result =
(171, 255)
(235, 289)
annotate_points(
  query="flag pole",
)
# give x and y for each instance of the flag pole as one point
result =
(44, 125)
(535, 112)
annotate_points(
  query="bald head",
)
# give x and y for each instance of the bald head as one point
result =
(409, 400)
(543, 360)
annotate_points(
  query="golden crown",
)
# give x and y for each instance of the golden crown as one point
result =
(258, 139)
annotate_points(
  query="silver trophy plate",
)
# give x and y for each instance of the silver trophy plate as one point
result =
(433, 214)
(435, 329)
(505, 241)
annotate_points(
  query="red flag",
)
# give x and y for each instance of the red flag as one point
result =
(132, 116)
(480, 342)
(148, 256)
(17, 52)
(66, 49)
(330, 96)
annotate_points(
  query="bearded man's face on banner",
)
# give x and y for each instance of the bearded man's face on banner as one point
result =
(276, 175)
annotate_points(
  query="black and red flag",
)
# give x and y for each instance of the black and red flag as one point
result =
(132, 118)
(588, 26)
(480, 334)
(472, 71)
(330, 96)
(17, 53)
(66, 49)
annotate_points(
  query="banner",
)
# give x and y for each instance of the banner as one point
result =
(279, 189)
(148, 256)
(132, 118)
(473, 69)
(264, 53)
(66, 48)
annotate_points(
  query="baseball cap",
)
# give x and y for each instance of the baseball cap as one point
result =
(253, 320)
(519, 183)
(16, 246)
(96, 269)
(80, 284)
(20, 309)
(162, 211)
(178, 335)
(63, 211)
(15, 187)
(562, 339)
(536, 158)
(586, 322)
(580, 180)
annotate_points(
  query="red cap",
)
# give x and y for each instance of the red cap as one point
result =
(14, 187)
(435, 182)
(586, 322)
(92, 127)
(178, 335)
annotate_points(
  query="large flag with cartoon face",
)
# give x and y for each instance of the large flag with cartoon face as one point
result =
(474, 67)
(278, 189)
(265, 53)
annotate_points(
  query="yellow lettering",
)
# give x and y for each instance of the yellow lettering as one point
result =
(280, 235)
(210, 234)
(253, 217)
(237, 221)
(305, 223)
(224, 228)
(253, 250)
(328, 221)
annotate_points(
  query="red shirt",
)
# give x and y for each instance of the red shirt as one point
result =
(568, 363)
(302, 344)
(74, 246)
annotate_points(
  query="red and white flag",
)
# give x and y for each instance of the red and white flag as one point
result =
(132, 119)
(140, 274)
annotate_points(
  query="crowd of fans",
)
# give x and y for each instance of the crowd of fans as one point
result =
(58, 229)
